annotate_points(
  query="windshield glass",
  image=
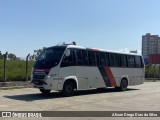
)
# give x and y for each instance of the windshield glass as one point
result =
(49, 58)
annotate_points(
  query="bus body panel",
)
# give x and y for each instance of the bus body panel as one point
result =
(66, 73)
(90, 77)
(85, 77)
(128, 73)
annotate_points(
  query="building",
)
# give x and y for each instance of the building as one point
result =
(150, 45)
(154, 58)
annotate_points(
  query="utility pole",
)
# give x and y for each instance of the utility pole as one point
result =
(5, 58)
(27, 67)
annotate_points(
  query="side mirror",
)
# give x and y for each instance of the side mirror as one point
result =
(67, 53)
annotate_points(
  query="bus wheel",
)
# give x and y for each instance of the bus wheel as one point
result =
(45, 91)
(124, 84)
(68, 89)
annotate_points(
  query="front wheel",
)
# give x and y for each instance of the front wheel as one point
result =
(124, 85)
(68, 89)
(45, 91)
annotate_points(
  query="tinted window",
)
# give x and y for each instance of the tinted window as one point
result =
(84, 57)
(123, 60)
(81, 56)
(69, 60)
(103, 59)
(92, 58)
(138, 62)
(130, 61)
(49, 57)
(114, 60)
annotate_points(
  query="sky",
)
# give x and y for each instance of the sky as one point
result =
(28, 25)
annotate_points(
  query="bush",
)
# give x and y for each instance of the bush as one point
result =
(152, 71)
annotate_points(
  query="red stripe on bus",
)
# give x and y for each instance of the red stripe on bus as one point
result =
(110, 76)
(42, 70)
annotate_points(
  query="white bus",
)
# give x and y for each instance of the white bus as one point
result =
(68, 67)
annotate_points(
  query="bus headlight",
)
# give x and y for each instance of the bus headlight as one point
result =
(48, 76)
(51, 76)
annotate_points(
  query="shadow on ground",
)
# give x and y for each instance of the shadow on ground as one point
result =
(56, 95)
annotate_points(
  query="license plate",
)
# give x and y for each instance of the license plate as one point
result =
(36, 82)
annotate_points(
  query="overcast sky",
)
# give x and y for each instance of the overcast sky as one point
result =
(27, 25)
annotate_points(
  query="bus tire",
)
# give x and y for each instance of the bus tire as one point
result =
(45, 92)
(124, 85)
(68, 89)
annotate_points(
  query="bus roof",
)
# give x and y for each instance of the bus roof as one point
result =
(102, 50)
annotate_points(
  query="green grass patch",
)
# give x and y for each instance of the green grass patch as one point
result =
(15, 70)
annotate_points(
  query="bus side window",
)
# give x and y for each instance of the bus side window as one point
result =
(81, 56)
(70, 60)
(92, 58)
(84, 57)
(107, 59)
(114, 60)
(104, 59)
(142, 62)
(131, 62)
(138, 62)
(123, 60)
(111, 55)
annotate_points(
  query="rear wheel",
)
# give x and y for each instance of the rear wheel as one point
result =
(45, 91)
(68, 89)
(124, 85)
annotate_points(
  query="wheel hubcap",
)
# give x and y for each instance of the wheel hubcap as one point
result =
(69, 88)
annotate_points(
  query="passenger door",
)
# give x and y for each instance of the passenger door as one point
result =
(68, 65)
(92, 69)
(82, 69)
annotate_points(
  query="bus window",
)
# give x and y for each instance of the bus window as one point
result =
(130, 61)
(78, 57)
(84, 57)
(81, 56)
(114, 60)
(107, 59)
(138, 62)
(123, 60)
(92, 58)
(142, 63)
(103, 59)
(70, 60)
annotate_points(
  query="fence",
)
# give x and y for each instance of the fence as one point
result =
(15, 70)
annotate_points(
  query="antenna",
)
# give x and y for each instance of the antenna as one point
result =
(74, 43)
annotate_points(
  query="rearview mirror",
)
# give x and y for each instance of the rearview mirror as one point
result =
(67, 53)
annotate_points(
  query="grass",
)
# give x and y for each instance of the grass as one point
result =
(152, 71)
(15, 70)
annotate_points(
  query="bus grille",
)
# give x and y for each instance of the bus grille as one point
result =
(38, 77)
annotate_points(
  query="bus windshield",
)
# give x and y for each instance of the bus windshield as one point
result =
(49, 58)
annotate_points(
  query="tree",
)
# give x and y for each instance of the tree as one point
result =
(35, 54)
(1, 56)
(12, 56)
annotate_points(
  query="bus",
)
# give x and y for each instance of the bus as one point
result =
(68, 67)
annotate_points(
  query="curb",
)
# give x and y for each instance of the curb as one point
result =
(14, 85)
